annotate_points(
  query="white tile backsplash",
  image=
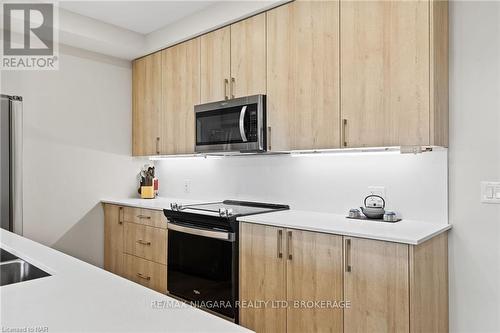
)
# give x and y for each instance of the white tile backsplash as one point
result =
(416, 185)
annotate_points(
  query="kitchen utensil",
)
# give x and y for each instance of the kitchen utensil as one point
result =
(390, 217)
(374, 207)
(354, 213)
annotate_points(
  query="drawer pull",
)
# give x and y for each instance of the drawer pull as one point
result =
(144, 217)
(140, 241)
(139, 275)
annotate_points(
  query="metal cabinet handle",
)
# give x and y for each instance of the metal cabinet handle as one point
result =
(158, 145)
(269, 137)
(347, 260)
(226, 86)
(289, 245)
(140, 241)
(280, 243)
(144, 217)
(344, 130)
(120, 215)
(233, 83)
(143, 277)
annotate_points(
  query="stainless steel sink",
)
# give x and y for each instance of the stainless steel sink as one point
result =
(14, 270)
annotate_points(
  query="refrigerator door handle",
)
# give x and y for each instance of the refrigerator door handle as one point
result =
(16, 113)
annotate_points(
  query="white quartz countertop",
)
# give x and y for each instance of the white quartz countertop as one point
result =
(159, 203)
(406, 231)
(80, 297)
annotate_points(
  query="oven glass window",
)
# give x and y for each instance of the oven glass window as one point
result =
(200, 270)
(223, 126)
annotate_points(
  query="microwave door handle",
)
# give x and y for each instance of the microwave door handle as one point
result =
(242, 123)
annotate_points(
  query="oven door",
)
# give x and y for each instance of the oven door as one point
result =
(202, 267)
(235, 125)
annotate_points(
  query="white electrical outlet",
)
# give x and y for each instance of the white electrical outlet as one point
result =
(377, 190)
(490, 192)
(187, 185)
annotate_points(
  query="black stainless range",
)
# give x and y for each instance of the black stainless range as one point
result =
(203, 252)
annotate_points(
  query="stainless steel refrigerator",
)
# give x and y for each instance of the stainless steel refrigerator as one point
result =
(11, 163)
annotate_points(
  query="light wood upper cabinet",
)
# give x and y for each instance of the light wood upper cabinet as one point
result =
(248, 57)
(337, 73)
(386, 58)
(233, 60)
(215, 51)
(262, 277)
(181, 91)
(113, 239)
(376, 283)
(314, 273)
(303, 75)
(146, 104)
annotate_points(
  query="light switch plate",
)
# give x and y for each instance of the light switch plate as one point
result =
(187, 185)
(490, 192)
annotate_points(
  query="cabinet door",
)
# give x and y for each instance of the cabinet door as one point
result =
(314, 274)
(215, 50)
(113, 239)
(146, 104)
(248, 56)
(147, 273)
(146, 242)
(181, 91)
(376, 285)
(385, 73)
(303, 75)
(262, 278)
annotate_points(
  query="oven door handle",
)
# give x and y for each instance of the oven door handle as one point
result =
(222, 235)
(242, 123)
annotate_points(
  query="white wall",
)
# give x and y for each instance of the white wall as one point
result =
(474, 154)
(77, 148)
(416, 185)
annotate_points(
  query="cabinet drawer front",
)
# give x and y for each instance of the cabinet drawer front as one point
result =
(147, 273)
(153, 218)
(146, 242)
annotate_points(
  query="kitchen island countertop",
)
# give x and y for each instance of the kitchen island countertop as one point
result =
(85, 298)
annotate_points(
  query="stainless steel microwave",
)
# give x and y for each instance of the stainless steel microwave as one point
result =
(236, 125)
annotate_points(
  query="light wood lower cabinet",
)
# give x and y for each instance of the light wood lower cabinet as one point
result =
(376, 285)
(262, 277)
(386, 286)
(113, 239)
(314, 282)
(135, 245)
(147, 273)
(289, 269)
(152, 218)
(146, 242)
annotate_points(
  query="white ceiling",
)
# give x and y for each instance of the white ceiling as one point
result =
(138, 16)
